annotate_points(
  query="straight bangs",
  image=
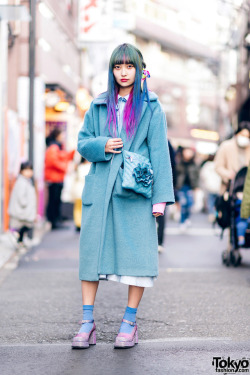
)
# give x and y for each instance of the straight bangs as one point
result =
(126, 54)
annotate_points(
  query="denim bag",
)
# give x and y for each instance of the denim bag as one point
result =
(137, 173)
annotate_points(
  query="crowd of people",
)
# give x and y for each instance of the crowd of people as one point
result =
(211, 176)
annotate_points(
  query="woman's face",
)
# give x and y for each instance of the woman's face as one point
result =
(188, 154)
(244, 133)
(124, 74)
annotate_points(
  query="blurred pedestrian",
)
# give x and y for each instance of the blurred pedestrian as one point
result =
(81, 172)
(233, 154)
(23, 202)
(56, 162)
(161, 220)
(118, 239)
(187, 180)
(210, 182)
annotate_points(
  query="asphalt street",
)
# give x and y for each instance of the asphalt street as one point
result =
(198, 309)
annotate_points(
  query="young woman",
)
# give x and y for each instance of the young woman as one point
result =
(118, 239)
(56, 163)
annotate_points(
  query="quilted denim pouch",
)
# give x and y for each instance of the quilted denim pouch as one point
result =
(137, 174)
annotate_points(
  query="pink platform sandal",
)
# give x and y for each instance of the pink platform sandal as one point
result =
(127, 340)
(84, 340)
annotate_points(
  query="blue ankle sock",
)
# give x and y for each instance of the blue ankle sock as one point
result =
(87, 315)
(129, 315)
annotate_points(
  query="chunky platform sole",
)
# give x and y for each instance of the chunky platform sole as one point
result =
(119, 344)
(79, 342)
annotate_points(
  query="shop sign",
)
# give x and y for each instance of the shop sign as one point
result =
(94, 21)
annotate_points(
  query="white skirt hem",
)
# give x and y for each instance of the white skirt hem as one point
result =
(142, 281)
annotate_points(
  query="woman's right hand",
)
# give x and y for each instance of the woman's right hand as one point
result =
(112, 144)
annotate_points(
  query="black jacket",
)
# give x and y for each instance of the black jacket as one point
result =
(187, 171)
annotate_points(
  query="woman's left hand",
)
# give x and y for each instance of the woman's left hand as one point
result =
(156, 214)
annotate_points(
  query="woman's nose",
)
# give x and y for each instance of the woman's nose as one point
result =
(124, 72)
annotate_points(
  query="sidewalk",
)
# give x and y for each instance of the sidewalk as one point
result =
(197, 310)
(9, 250)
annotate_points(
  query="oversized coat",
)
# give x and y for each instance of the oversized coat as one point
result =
(118, 232)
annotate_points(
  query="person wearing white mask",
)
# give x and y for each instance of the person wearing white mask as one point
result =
(233, 154)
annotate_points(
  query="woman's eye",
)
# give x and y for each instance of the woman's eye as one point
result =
(130, 66)
(117, 66)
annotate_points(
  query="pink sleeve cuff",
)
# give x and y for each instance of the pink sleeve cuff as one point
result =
(159, 207)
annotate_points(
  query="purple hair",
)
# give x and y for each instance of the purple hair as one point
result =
(126, 54)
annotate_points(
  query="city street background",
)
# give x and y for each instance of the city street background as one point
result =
(54, 59)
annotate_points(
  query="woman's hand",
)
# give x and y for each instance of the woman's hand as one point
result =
(112, 144)
(156, 214)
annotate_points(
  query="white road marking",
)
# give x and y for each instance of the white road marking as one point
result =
(167, 339)
(184, 339)
(192, 232)
(212, 269)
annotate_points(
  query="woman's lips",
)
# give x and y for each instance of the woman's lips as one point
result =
(124, 80)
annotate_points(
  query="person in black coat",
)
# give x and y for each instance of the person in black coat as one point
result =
(187, 180)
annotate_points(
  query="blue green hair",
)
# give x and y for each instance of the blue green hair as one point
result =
(126, 54)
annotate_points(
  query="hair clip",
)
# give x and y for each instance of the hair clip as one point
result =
(145, 74)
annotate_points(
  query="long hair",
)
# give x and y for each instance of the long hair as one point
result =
(126, 54)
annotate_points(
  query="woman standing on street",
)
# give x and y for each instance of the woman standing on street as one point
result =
(56, 163)
(118, 238)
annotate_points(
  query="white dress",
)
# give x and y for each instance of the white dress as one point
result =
(142, 281)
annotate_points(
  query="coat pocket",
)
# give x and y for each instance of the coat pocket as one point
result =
(120, 192)
(88, 190)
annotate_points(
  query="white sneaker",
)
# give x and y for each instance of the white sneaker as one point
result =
(160, 248)
(188, 223)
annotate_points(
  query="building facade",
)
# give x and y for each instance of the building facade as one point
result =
(57, 79)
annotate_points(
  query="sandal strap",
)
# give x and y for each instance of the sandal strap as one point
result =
(130, 323)
(87, 321)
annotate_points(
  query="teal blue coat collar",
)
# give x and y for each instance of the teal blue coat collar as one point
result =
(102, 98)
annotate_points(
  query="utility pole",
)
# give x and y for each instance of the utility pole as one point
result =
(32, 52)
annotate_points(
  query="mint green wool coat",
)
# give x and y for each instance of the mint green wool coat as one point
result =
(118, 231)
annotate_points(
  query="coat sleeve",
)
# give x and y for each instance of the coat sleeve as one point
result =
(159, 155)
(220, 164)
(245, 205)
(90, 146)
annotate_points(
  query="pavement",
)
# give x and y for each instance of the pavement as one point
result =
(10, 254)
(7, 249)
(197, 310)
